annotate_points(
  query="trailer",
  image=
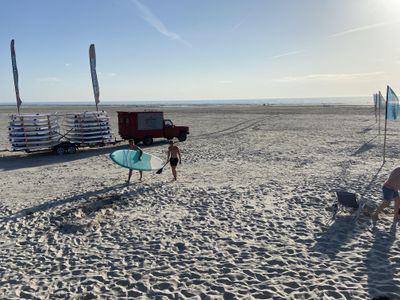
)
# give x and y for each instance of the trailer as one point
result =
(68, 147)
(42, 132)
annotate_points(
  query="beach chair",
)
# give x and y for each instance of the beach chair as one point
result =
(347, 201)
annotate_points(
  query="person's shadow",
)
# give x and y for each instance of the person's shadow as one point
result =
(331, 241)
(381, 267)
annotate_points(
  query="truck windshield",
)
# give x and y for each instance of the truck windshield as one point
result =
(168, 123)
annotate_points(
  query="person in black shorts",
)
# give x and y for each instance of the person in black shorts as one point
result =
(390, 191)
(174, 156)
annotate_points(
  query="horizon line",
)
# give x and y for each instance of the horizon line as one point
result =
(12, 102)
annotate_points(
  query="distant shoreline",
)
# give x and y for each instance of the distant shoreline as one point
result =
(193, 103)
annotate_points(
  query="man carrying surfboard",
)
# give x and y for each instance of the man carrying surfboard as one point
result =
(133, 146)
(174, 156)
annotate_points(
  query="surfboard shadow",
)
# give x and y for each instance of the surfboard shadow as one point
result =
(59, 202)
(104, 197)
(38, 159)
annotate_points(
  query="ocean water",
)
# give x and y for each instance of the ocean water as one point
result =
(365, 100)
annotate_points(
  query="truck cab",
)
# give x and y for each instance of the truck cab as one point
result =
(146, 126)
(171, 131)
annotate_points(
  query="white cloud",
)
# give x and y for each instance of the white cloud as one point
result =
(49, 79)
(237, 25)
(364, 28)
(327, 77)
(287, 54)
(67, 64)
(225, 81)
(155, 22)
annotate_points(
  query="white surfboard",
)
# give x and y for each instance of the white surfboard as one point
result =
(33, 138)
(89, 133)
(88, 137)
(18, 129)
(40, 142)
(32, 116)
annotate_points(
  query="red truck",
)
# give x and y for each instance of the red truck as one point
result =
(145, 126)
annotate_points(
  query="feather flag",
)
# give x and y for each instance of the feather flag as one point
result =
(392, 110)
(382, 101)
(15, 74)
(95, 82)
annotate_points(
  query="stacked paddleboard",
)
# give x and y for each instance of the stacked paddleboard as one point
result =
(88, 128)
(33, 132)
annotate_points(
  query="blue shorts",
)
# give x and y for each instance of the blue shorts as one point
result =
(389, 194)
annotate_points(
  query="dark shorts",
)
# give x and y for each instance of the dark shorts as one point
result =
(173, 161)
(389, 194)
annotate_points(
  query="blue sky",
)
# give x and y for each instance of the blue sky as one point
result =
(193, 50)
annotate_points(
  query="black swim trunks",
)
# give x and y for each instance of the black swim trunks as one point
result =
(173, 161)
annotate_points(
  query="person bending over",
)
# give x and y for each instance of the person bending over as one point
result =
(390, 190)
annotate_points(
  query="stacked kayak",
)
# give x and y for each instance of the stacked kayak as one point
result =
(88, 128)
(33, 132)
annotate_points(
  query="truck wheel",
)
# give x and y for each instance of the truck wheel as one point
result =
(182, 136)
(136, 141)
(147, 141)
(71, 150)
(60, 150)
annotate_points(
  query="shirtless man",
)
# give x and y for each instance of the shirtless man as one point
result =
(390, 191)
(133, 146)
(174, 155)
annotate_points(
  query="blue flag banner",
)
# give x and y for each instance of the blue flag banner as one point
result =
(392, 104)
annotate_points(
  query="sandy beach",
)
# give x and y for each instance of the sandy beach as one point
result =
(248, 217)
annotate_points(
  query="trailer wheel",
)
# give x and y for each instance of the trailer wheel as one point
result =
(147, 141)
(60, 150)
(71, 150)
(182, 136)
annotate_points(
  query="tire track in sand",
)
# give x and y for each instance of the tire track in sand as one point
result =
(230, 130)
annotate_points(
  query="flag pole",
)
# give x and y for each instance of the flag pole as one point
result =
(386, 111)
(379, 114)
(15, 74)
(95, 82)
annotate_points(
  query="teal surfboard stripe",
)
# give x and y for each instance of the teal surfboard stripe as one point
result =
(130, 159)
